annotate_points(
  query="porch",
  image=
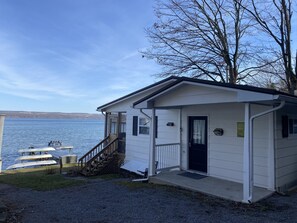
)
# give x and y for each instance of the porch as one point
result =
(207, 185)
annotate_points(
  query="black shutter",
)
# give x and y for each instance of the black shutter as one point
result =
(156, 124)
(285, 126)
(135, 125)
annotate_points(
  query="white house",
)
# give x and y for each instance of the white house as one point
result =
(237, 133)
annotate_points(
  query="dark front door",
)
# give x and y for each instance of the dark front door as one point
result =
(198, 143)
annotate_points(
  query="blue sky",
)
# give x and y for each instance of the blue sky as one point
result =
(72, 55)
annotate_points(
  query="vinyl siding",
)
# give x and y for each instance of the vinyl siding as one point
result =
(225, 153)
(286, 153)
(137, 147)
(189, 94)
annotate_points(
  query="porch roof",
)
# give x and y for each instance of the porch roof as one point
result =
(217, 93)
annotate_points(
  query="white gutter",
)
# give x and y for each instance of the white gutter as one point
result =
(251, 148)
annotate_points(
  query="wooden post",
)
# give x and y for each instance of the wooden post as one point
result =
(119, 123)
(61, 164)
(2, 117)
(105, 124)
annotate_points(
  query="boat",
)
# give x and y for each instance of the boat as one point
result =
(33, 150)
(58, 146)
(34, 157)
(32, 164)
(44, 156)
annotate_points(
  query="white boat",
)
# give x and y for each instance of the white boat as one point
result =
(37, 150)
(64, 147)
(69, 148)
(34, 157)
(32, 164)
(43, 156)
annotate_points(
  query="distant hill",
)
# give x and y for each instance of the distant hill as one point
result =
(50, 115)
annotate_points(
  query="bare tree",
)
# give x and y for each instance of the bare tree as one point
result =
(274, 18)
(203, 39)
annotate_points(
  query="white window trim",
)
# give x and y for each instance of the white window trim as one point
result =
(294, 118)
(146, 125)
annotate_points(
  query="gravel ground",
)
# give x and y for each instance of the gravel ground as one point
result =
(118, 200)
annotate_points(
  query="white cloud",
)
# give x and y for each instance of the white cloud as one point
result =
(33, 86)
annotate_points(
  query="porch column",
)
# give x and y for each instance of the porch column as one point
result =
(119, 123)
(152, 152)
(247, 157)
(105, 124)
(1, 135)
(180, 139)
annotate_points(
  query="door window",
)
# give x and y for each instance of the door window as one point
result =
(199, 132)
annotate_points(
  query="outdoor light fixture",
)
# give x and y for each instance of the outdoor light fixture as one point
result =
(170, 124)
(218, 131)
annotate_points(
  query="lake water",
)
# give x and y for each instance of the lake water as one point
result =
(22, 133)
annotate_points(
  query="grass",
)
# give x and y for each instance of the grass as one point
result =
(108, 176)
(42, 179)
(139, 185)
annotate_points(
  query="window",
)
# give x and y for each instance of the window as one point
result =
(240, 129)
(113, 127)
(293, 125)
(144, 126)
(123, 127)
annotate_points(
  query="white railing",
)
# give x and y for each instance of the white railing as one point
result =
(168, 155)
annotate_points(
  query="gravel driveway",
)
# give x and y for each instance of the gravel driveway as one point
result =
(117, 200)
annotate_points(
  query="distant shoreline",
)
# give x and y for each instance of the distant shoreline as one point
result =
(50, 115)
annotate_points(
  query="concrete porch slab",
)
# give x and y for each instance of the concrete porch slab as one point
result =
(208, 185)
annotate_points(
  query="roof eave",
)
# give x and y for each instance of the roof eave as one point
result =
(103, 108)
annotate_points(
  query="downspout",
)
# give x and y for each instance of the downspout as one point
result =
(146, 115)
(251, 149)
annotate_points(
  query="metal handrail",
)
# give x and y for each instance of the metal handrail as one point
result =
(168, 155)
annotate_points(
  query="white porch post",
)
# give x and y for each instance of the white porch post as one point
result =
(271, 156)
(247, 157)
(152, 152)
(180, 139)
(1, 135)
